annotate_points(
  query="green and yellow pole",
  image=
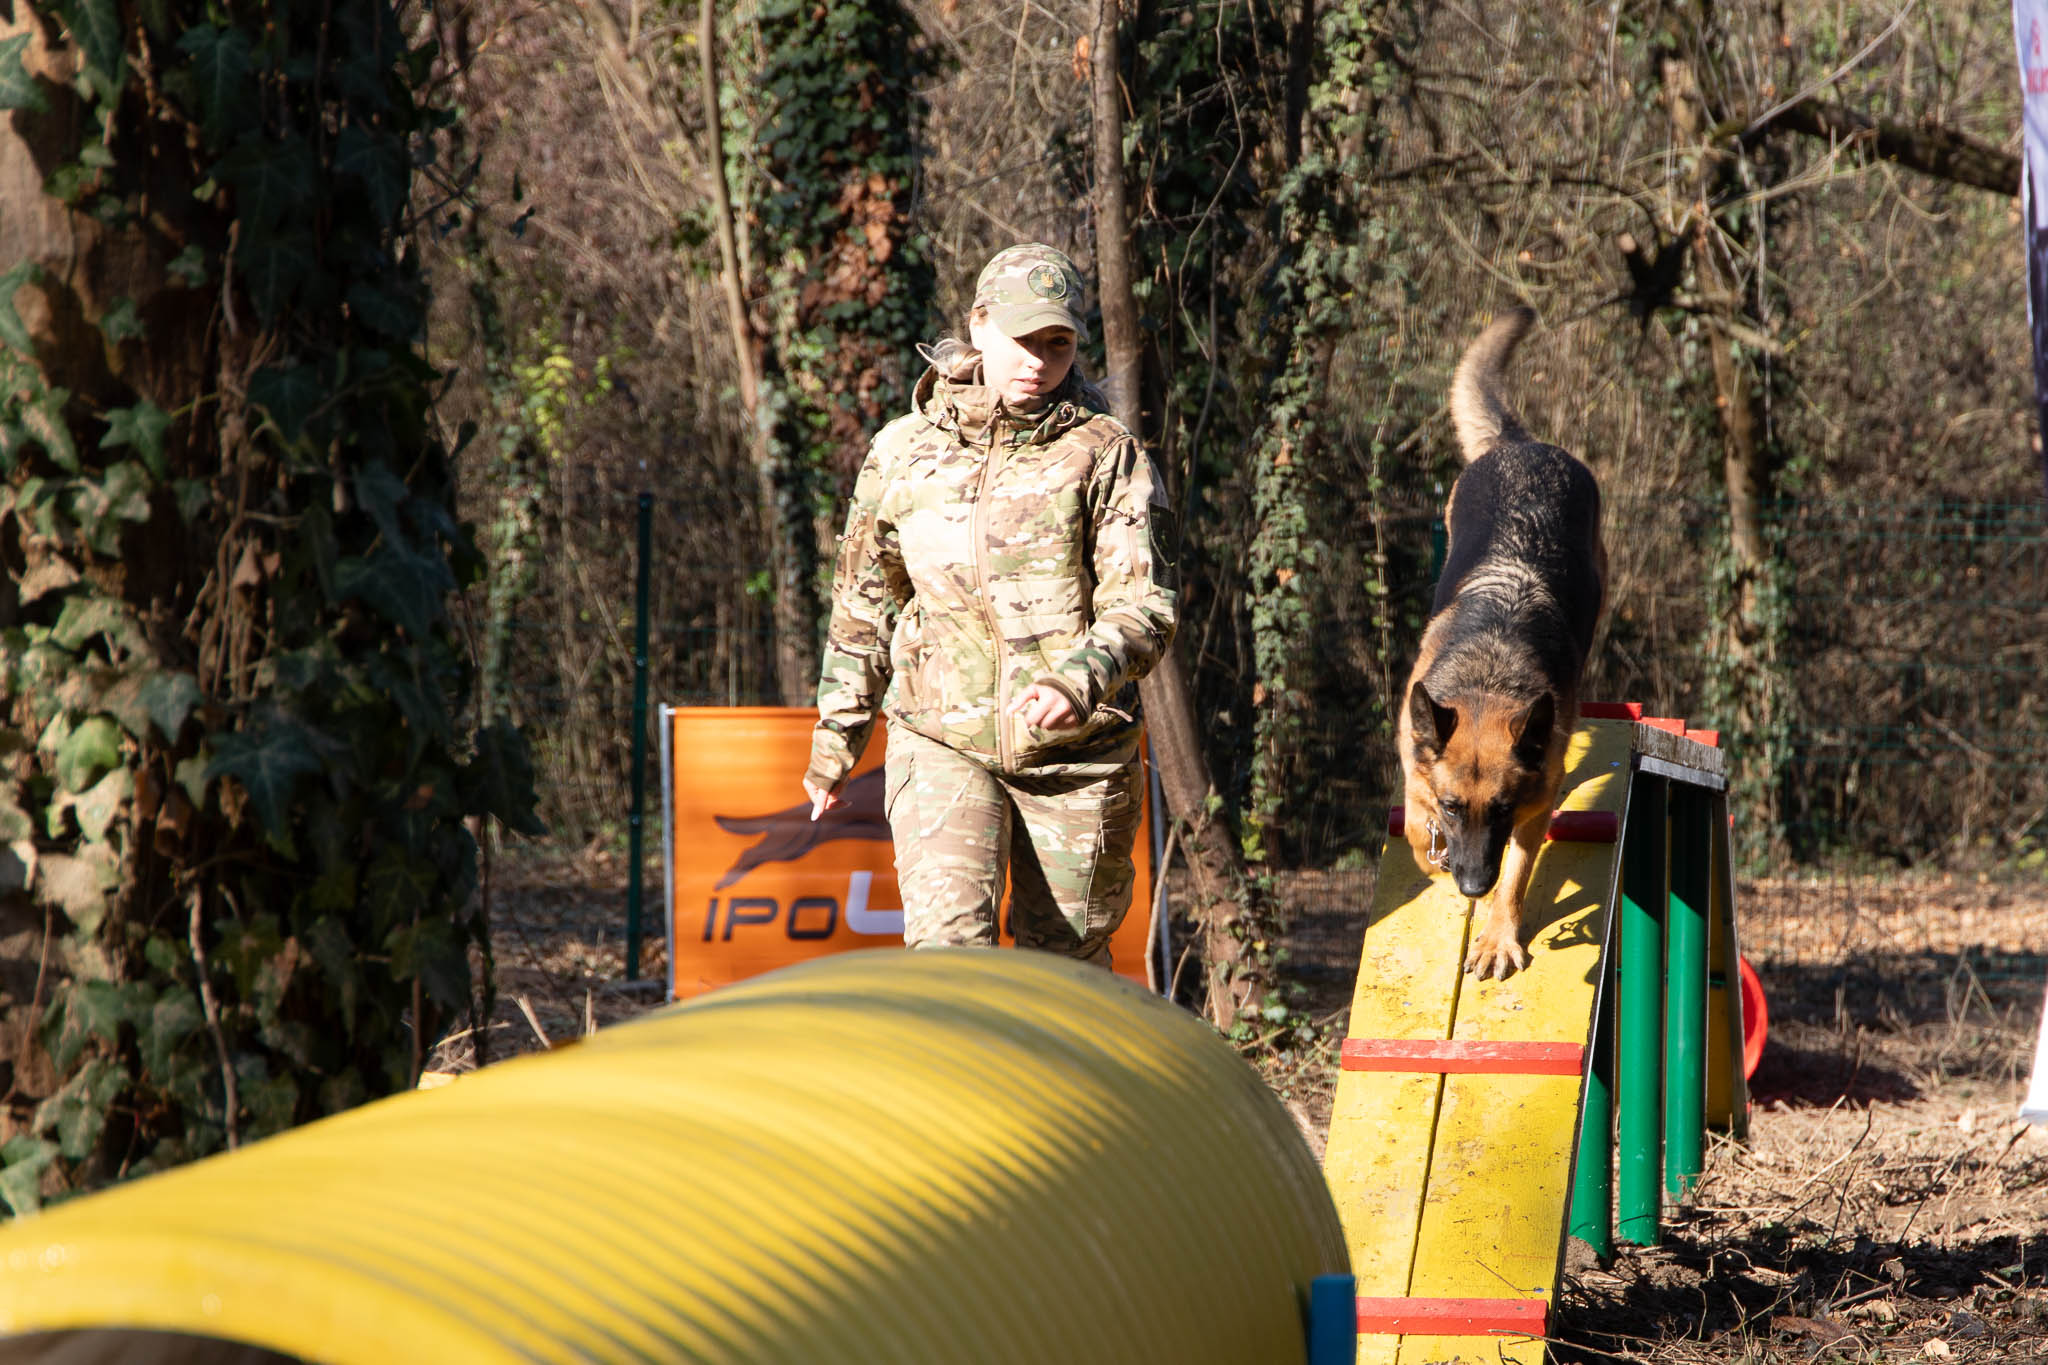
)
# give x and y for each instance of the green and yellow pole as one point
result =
(1592, 1212)
(1638, 1123)
(1685, 991)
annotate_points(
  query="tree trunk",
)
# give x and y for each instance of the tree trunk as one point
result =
(1219, 878)
(1745, 468)
(784, 508)
(1121, 342)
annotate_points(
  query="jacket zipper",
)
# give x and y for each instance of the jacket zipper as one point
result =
(978, 527)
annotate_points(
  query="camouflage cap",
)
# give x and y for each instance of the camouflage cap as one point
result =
(1031, 286)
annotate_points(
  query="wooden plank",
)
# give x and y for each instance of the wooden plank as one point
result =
(1436, 1177)
(1377, 1157)
(1500, 1172)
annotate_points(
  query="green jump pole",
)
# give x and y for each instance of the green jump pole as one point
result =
(1685, 987)
(1639, 1117)
(646, 538)
(1592, 1211)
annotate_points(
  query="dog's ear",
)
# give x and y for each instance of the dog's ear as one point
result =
(1430, 724)
(1531, 730)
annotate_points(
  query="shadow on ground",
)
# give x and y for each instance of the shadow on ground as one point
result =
(1788, 1299)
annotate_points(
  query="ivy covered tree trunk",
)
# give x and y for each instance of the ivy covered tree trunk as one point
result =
(1746, 688)
(845, 289)
(1224, 899)
(238, 874)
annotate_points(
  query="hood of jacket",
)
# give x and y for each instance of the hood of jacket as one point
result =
(953, 397)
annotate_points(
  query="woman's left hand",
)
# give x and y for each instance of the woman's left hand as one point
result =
(1045, 708)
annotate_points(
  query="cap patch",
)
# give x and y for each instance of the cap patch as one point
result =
(1047, 281)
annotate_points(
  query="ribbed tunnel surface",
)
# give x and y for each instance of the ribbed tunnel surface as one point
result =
(878, 1157)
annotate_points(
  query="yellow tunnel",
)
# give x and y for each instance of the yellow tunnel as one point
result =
(879, 1157)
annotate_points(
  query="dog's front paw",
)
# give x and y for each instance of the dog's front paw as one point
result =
(1496, 954)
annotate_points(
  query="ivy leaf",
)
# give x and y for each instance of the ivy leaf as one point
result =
(18, 89)
(188, 267)
(96, 24)
(78, 1112)
(42, 418)
(275, 268)
(96, 807)
(268, 762)
(431, 951)
(335, 955)
(15, 825)
(289, 394)
(175, 1017)
(378, 161)
(381, 493)
(121, 495)
(121, 322)
(396, 887)
(272, 1101)
(270, 178)
(419, 700)
(392, 314)
(501, 776)
(220, 82)
(162, 697)
(12, 329)
(78, 883)
(403, 587)
(87, 618)
(22, 1162)
(51, 575)
(141, 427)
(87, 1010)
(87, 753)
(193, 496)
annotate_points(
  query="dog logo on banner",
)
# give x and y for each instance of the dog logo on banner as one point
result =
(789, 834)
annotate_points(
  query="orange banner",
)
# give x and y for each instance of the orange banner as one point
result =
(754, 883)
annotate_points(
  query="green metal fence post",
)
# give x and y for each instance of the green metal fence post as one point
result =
(1685, 986)
(1638, 1124)
(1592, 1212)
(646, 537)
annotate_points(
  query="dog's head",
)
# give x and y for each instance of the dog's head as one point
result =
(1482, 765)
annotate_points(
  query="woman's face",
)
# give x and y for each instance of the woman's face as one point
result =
(1023, 370)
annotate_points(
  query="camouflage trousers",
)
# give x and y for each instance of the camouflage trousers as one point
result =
(1064, 839)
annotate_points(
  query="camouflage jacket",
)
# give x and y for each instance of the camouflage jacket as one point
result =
(986, 551)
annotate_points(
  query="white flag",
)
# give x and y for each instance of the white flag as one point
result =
(2034, 1108)
(2030, 35)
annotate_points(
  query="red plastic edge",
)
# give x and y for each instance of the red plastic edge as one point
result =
(1710, 738)
(1756, 1018)
(1566, 826)
(1669, 724)
(1610, 710)
(1453, 1317)
(1463, 1056)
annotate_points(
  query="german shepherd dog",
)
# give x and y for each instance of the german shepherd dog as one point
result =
(1494, 695)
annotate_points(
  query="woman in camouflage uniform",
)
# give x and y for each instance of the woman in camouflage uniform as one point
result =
(1004, 580)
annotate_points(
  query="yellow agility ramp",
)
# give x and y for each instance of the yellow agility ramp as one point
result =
(1458, 1115)
(961, 1155)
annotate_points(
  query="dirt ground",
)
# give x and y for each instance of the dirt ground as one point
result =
(1887, 1206)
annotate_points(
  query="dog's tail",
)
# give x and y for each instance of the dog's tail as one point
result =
(1477, 409)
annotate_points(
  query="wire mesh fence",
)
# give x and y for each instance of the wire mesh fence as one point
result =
(1914, 652)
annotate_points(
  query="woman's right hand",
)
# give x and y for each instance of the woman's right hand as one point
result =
(823, 799)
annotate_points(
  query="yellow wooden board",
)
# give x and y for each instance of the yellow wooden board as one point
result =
(1457, 1186)
(1380, 1123)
